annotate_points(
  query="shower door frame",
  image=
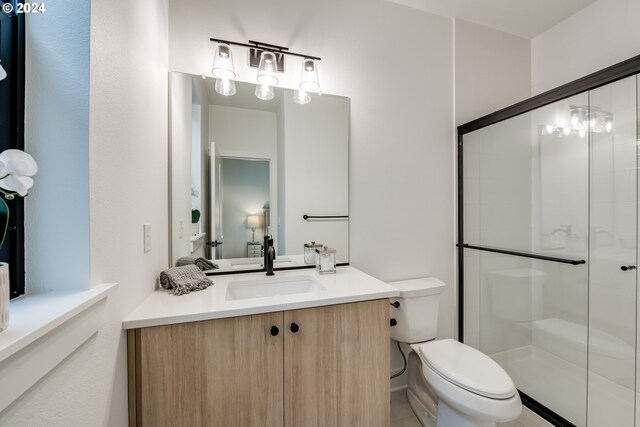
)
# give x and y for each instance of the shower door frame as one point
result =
(592, 81)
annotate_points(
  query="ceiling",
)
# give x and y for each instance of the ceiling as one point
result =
(524, 18)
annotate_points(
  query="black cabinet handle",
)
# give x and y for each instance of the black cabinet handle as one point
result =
(396, 304)
(295, 328)
(628, 267)
(274, 331)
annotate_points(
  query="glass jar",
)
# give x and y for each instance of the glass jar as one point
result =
(325, 260)
(310, 252)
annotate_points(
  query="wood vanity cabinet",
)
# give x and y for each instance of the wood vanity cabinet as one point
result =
(316, 367)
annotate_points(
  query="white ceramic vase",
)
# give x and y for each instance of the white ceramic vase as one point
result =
(4, 296)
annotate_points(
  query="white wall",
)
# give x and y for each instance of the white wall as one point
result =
(128, 176)
(281, 237)
(316, 151)
(196, 156)
(200, 88)
(241, 132)
(493, 70)
(600, 35)
(401, 152)
(401, 156)
(181, 141)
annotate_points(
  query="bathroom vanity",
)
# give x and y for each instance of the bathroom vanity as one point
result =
(297, 349)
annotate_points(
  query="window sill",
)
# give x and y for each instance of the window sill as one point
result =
(46, 328)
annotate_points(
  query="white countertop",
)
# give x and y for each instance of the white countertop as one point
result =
(347, 285)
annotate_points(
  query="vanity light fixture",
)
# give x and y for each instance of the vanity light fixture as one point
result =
(267, 70)
(223, 62)
(309, 81)
(223, 70)
(271, 61)
(583, 119)
(267, 76)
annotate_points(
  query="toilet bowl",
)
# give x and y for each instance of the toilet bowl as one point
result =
(450, 384)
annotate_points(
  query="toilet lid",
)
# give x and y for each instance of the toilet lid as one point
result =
(467, 368)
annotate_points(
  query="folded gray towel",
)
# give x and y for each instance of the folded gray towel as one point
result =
(202, 263)
(185, 279)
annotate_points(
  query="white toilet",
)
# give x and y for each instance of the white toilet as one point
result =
(450, 383)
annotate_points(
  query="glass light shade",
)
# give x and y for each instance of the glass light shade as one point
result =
(608, 124)
(253, 221)
(223, 62)
(267, 69)
(309, 78)
(3, 73)
(575, 120)
(301, 97)
(225, 87)
(265, 92)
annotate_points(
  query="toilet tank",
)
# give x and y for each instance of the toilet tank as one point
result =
(417, 314)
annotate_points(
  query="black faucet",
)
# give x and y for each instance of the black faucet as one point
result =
(269, 254)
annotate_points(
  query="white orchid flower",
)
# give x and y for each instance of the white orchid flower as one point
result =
(16, 168)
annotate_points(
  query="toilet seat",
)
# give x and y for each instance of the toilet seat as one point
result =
(462, 394)
(467, 368)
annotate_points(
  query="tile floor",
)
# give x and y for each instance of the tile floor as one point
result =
(402, 415)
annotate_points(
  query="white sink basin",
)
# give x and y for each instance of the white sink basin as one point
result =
(272, 286)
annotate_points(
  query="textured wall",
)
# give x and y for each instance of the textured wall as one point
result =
(493, 70)
(128, 180)
(396, 65)
(600, 35)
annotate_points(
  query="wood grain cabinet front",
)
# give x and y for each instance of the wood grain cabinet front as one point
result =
(316, 367)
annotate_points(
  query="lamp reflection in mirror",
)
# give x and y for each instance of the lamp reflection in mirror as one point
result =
(223, 67)
(267, 72)
(265, 92)
(3, 73)
(301, 97)
(225, 87)
(253, 222)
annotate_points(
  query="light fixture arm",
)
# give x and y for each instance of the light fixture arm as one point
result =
(266, 46)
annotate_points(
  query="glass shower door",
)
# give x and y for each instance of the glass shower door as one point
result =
(612, 243)
(526, 223)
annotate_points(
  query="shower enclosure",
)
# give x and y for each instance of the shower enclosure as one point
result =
(548, 246)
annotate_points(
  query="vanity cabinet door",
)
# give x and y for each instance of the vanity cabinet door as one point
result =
(225, 373)
(336, 365)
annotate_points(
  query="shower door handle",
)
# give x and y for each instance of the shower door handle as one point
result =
(628, 267)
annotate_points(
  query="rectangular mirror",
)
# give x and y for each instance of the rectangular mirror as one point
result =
(242, 168)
